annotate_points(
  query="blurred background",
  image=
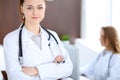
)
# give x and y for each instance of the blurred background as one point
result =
(75, 18)
(81, 20)
(62, 16)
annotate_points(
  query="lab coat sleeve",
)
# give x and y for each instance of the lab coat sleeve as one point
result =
(88, 69)
(56, 71)
(13, 68)
(114, 68)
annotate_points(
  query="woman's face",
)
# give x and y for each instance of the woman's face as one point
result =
(102, 40)
(33, 10)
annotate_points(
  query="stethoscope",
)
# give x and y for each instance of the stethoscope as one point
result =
(20, 56)
(108, 67)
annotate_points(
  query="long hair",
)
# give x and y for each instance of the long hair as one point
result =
(22, 15)
(110, 35)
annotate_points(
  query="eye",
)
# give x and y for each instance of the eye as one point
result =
(40, 7)
(29, 8)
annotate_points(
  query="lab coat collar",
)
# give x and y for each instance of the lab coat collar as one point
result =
(107, 52)
(30, 34)
(44, 37)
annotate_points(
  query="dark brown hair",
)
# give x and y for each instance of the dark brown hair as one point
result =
(110, 34)
(21, 2)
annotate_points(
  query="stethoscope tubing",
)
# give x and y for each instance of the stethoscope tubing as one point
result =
(20, 56)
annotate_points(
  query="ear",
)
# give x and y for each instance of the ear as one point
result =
(21, 8)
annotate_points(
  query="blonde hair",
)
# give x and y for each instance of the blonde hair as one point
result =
(110, 34)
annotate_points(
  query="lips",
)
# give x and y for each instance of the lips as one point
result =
(35, 17)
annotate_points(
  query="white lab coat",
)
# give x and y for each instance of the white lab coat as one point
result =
(33, 56)
(99, 67)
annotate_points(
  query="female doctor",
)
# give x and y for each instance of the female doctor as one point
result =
(33, 52)
(107, 65)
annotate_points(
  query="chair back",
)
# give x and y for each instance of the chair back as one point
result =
(74, 55)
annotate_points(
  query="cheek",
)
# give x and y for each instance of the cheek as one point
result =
(27, 16)
(102, 42)
(42, 14)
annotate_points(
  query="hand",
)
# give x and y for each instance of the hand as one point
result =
(31, 71)
(58, 59)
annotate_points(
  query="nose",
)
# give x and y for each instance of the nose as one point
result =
(35, 12)
(100, 39)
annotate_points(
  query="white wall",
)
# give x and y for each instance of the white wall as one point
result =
(95, 14)
(116, 15)
(98, 13)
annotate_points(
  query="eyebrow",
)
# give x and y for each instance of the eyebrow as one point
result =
(38, 5)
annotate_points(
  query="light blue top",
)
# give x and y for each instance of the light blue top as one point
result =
(99, 67)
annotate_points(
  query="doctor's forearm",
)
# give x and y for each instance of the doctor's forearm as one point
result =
(56, 71)
(31, 71)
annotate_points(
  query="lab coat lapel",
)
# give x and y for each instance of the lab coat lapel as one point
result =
(45, 42)
(29, 43)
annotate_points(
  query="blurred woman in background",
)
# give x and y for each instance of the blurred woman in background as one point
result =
(107, 65)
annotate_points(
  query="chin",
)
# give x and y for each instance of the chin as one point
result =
(102, 44)
(35, 22)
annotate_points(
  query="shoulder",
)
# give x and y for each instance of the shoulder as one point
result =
(53, 32)
(117, 56)
(115, 59)
(12, 35)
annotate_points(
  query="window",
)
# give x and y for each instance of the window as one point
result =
(98, 13)
(116, 14)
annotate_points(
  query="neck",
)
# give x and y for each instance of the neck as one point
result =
(34, 28)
